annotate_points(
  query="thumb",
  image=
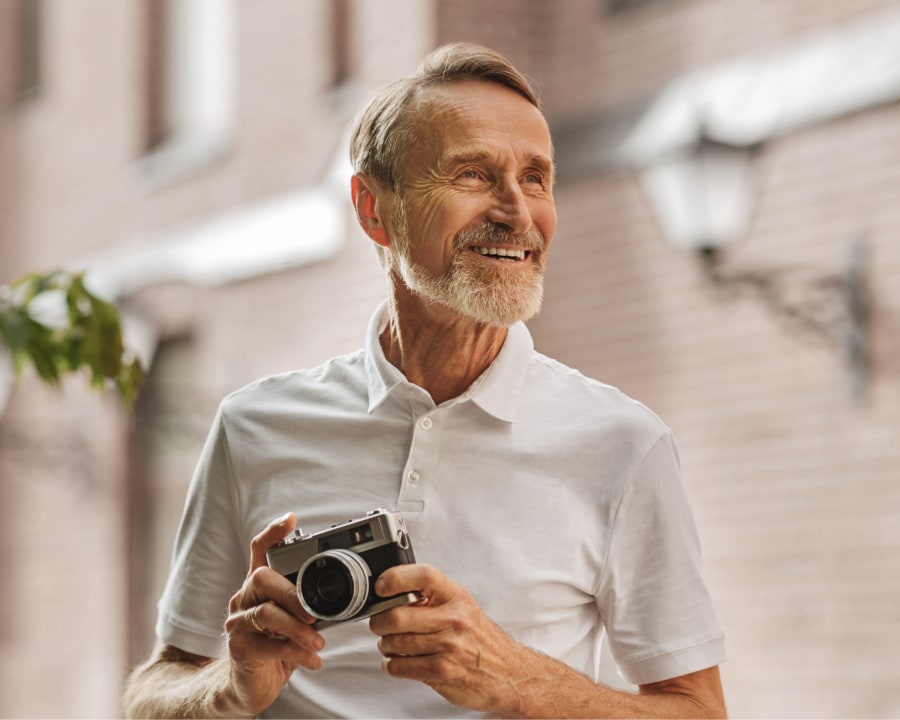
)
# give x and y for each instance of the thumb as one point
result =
(275, 532)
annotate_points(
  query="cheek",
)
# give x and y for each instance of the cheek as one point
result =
(545, 221)
(437, 217)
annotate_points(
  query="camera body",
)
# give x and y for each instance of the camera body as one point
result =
(335, 570)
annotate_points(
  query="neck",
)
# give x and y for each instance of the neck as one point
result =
(435, 347)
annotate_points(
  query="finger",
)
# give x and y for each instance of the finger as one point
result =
(414, 644)
(433, 585)
(252, 646)
(265, 585)
(431, 669)
(271, 620)
(275, 532)
(408, 619)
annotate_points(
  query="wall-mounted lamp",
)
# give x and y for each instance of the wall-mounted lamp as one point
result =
(703, 198)
(703, 194)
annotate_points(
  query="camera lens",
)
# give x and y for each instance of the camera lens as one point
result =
(333, 585)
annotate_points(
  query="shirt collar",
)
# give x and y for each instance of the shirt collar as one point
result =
(382, 377)
(496, 391)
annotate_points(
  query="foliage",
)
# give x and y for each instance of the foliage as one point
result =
(86, 334)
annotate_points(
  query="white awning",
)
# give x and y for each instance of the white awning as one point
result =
(746, 101)
(276, 233)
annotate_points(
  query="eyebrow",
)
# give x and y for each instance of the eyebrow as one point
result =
(465, 156)
(542, 162)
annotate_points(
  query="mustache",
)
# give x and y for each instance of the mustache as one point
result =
(496, 234)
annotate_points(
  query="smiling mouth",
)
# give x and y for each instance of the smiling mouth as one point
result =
(509, 254)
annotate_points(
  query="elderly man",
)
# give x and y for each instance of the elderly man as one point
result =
(545, 508)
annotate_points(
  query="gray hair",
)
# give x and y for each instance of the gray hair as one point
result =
(385, 129)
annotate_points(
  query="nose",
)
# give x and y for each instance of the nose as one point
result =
(510, 207)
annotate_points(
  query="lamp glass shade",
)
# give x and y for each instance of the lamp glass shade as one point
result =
(702, 197)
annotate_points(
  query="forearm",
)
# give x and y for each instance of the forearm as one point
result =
(448, 643)
(546, 687)
(166, 688)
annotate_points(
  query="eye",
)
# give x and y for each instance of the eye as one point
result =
(535, 179)
(470, 177)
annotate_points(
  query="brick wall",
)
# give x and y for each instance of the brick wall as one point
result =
(61, 543)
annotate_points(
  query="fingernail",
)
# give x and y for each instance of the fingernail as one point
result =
(379, 586)
(283, 519)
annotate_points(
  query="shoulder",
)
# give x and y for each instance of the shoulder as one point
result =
(590, 403)
(339, 380)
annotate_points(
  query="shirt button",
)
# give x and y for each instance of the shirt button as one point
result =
(425, 423)
(413, 476)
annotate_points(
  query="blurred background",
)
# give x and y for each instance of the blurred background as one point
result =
(727, 253)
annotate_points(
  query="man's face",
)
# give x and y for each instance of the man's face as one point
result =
(474, 214)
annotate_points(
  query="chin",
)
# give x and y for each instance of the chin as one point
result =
(501, 312)
(491, 300)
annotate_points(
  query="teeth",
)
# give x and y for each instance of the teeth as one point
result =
(501, 252)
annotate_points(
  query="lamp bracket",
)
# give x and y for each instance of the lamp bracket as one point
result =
(832, 307)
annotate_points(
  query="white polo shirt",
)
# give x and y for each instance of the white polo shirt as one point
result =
(553, 498)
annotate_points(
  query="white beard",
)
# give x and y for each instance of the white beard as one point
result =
(488, 296)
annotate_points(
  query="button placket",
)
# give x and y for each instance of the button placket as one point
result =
(421, 451)
(419, 448)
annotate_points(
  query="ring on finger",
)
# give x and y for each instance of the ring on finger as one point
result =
(252, 613)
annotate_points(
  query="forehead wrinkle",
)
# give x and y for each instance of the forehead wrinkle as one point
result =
(426, 107)
(438, 110)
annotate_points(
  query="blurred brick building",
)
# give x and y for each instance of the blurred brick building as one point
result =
(187, 155)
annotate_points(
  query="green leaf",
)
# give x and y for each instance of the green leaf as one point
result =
(90, 339)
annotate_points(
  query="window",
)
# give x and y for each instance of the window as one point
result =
(169, 427)
(190, 79)
(25, 45)
(340, 42)
(616, 7)
(156, 38)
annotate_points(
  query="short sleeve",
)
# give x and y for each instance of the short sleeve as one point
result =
(653, 599)
(209, 562)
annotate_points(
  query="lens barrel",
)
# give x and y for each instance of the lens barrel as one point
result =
(333, 585)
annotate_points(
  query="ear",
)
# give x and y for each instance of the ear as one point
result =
(368, 202)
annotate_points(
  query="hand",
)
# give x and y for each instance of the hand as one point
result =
(269, 633)
(446, 641)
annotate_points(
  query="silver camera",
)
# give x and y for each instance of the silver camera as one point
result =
(335, 570)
